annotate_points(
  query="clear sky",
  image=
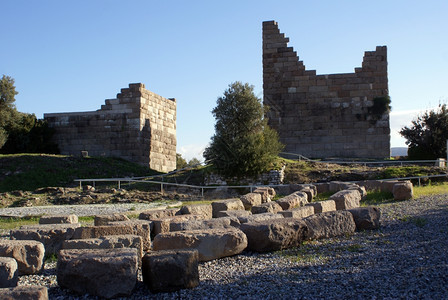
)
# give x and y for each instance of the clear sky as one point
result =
(72, 55)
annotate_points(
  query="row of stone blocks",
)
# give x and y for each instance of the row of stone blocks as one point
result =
(265, 226)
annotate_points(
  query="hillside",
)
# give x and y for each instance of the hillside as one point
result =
(28, 172)
(25, 178)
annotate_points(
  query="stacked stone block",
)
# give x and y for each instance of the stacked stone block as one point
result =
(325, 115)
(138, 126)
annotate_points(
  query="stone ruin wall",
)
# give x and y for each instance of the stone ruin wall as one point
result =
(138, 126)
(324, 116)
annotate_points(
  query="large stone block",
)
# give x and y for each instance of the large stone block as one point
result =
(50, 235)
(346, 199)
(132, 228)
(156, 214)
(276, 234)
(200, 209)
(101, 220)
(403, 191)
(8, 272)
(233, 213)
(163, 225)
(29, 255)
(210, 243)
(336, 186)
(293, 200)
(229, 204)
(330, 224)
(108, 242)
(26, 292)
(267, 207)
(59, 219)
(170, 270)
(388, 185)
(323, 206)
(251, 199)
(106, 273)
(267, 193)
(366, 217)
(298, 212)
(259, 217)
(224, 222)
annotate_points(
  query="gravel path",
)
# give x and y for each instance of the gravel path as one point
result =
(405, 259)
(82, 210)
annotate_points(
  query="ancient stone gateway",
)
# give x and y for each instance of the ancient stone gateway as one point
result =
(335, 115)
(138, 126)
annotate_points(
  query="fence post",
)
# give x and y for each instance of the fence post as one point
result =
(161, 188)
(119, 184)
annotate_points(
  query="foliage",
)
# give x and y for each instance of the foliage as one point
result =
(380, 106)
(7, 92)
(21, 132)
(180, 161)
(193, 162)
(243, 144)
(428, 134)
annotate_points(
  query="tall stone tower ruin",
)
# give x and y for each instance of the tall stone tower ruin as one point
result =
(322, 116)
(138, 126)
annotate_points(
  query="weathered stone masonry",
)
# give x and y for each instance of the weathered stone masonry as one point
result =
(332, 115)
(138, 126)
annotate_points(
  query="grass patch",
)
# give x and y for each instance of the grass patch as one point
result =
(322, 196)
(417, 221)
(377, 197)
(431, 189)
(308, 252)
(406, 171)
(86, 219)
(51, 258)
(13, 223)
(28, 172)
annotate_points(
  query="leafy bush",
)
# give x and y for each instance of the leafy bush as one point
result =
(428, 134)
(243, 144)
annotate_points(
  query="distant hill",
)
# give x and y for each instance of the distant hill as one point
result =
(399, 151)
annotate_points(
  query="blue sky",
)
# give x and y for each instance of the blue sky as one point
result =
(72, 55)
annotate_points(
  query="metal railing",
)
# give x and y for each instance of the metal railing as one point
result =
(365, 163)
(202, 188)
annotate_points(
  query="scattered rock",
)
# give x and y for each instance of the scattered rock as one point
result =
(330, 224)
(8, 272)
(29, 255)
(170, 270)
(272, 235)
(210, 243)
(106, 273)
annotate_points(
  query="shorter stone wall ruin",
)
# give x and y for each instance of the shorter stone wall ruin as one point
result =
(138, 126)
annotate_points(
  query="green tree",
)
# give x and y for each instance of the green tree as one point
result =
(243, 144)
(8, 112)
(180, 162)
(21, 132)
(193, 162)
(7, 92)
(428, 134)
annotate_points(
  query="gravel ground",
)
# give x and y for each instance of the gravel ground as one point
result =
(405, 259)
(82, 210)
